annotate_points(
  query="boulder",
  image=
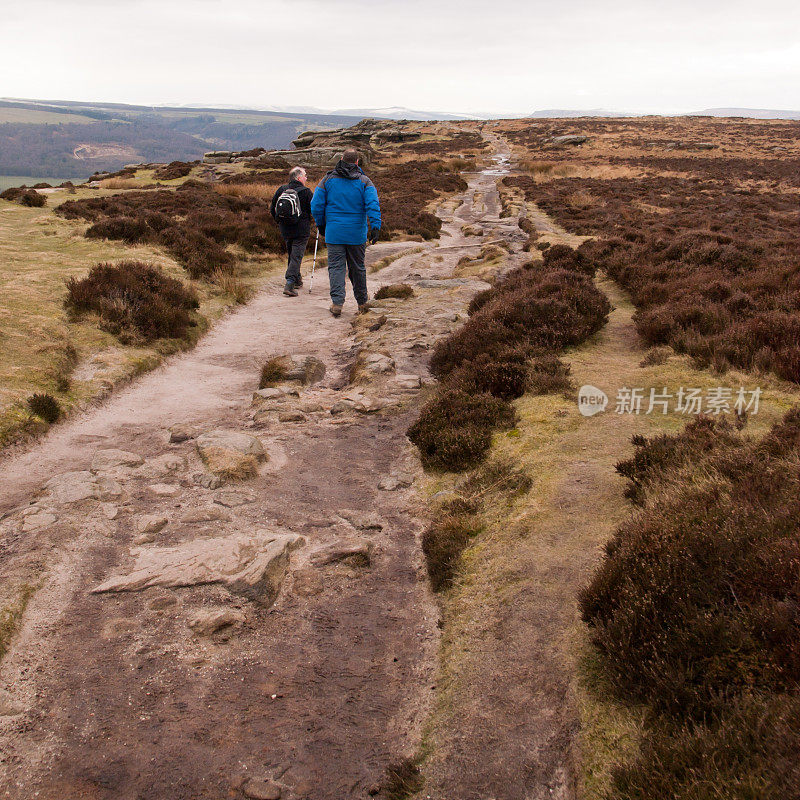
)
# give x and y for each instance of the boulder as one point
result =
(305, 369)
(570, 139)
(181, 433)
(252, 564)
(362, 520)
(230, 454)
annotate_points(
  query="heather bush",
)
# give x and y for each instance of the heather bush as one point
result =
(696, 600)
(44, 406)
(454, 429)
(134, 300)
(747, 751)
(714, 274)
(32, 199)
(194, 223)
(442, 544)
(173, 170)
(131, 230)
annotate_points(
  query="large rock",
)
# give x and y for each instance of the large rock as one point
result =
(230, 454)
(252, 564)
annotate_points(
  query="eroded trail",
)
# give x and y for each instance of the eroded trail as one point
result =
(196, 686)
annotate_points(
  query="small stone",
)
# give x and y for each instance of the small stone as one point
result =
(111, 458)
(107, 488)
(357, 553)
(259, 789)
(37, 521)
(207, 480)
(369, 405)
(307, 583)
(181, 433)
(231, 498)
(362, 520)
(162, 602)
(163, 489)
(340, 406)
(207, 622)
(162, 466)
(209, 514)
(391, 483)
(8, 708)
(272, 393)
(110, 511)
(151, 523)
(408, 381)
(291, 416)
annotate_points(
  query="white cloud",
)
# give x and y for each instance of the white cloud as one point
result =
(492, 55)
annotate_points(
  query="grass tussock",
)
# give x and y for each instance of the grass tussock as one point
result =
(403, 780)
(135, 301)
(10, 616)
(401, 291)
(273, 372)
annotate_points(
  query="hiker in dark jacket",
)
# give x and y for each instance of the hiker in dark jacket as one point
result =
(344, 202)
(291, 209)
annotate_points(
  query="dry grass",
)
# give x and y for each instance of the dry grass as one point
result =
(40, 346)
(262, 191)
(122, 183)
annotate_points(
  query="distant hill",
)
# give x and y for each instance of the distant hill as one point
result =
(754, 113)
(69, 139)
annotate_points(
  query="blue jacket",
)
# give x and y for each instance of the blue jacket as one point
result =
(343, 202)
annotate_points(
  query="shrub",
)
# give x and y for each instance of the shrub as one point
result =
(454, 429)
(696, 600)
(749, 751)
(44, 406)
(442, 544)
(505, 375)
(25, 197)
(173, 170)
(134, 299)
(131, 230)
(398, 290)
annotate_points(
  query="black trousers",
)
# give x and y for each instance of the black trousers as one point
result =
(295, 249)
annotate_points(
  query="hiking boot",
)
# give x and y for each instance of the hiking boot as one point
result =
(298, 283)
(336, 310)
(289, 290)
(364, 307)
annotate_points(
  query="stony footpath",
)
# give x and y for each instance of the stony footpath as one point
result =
(225, 591)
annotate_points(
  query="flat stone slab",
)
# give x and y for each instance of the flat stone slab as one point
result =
(112, 458)
(253, 564)
(443, 283)
(73, 487)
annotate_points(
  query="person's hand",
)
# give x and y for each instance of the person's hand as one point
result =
(373, 235)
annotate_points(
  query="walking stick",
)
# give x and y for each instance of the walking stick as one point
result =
(314, 265)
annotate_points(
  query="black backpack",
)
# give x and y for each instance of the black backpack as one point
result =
(287, 207)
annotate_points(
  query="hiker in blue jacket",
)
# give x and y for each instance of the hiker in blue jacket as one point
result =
(343, 203)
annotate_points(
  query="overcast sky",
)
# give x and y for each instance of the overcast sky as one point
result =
(450, 55)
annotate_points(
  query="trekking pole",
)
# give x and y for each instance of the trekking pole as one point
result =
(314, 265)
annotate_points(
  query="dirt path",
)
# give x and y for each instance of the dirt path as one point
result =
(114, 695)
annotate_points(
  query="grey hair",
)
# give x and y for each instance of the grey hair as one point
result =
(295, 173)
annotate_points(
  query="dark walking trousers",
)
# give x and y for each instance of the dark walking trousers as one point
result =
(349, 258)
(296, 249)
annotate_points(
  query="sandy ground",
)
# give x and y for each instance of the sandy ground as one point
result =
(114, 695)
